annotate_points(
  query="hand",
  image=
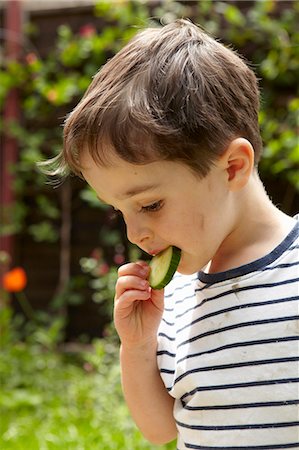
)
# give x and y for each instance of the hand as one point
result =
(138, 308)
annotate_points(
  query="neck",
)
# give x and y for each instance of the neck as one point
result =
(257, 229)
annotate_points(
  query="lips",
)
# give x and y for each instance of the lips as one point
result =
(155, 252)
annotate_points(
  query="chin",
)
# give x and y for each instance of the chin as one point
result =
(187, 269)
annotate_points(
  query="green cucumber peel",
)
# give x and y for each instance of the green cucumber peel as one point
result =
(163, 266)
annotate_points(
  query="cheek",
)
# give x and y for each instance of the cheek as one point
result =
(186, 228)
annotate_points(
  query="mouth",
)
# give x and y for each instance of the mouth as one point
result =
(155, 252)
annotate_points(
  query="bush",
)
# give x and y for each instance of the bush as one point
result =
(265, 32)
(61, 397)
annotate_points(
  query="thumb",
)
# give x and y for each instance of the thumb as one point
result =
(157, 297)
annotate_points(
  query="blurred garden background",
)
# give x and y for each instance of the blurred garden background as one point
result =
(60, 248)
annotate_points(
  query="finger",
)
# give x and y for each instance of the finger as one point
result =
(157, 297)
(131, 296)
(128, 282)
(139, 268)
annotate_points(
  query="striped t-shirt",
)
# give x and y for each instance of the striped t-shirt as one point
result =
(228, 354)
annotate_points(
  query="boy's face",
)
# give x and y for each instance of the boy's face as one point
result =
(164, 203)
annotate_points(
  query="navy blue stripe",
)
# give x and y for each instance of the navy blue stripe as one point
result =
(235, 326)
(250, 447)
(265, 269)
(166, 336)
(240, 344)
(177, 302)
(185, 298)
(278, 266)
(281, 266)
(243, 405)
(237, 307)
(252, 286)
(178, 316)
(240, 385)
(236, 365)
(166, 352)
(255, 265)
(251, 426)
(179, 288)
(168, 309)
(215, 297)
(170, 324)
(167, 371)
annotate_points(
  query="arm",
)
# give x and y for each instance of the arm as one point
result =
(137, 314)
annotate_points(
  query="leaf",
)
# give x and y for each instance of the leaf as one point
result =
(89, 196)
(234, 16)
(43, 232)
(19, 398)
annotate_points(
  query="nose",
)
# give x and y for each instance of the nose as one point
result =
(138, 232)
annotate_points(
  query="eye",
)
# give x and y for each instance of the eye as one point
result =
(153, 207)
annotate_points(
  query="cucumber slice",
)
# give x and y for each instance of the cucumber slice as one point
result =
(163, 267)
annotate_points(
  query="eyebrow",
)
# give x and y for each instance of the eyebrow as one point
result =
(138, 190)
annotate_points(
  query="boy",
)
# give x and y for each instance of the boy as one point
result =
(167, 134)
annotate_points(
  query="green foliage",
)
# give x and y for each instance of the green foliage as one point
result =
(266, 32)
(269, 36)
(61, 400)
(102, 279)
(51, 399)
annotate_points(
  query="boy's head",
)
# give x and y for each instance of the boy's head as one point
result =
(172, 93)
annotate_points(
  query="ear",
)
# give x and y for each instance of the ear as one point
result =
(238, 163)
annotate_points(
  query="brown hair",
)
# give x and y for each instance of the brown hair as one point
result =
(172, 93)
